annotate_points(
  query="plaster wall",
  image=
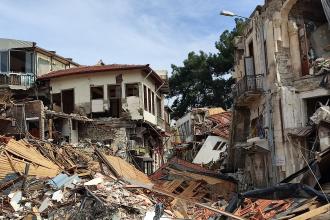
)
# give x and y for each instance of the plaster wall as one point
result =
(206, 154)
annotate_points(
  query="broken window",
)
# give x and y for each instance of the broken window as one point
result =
(132, 90)
(57, 102)
(21, 61)
(314, 103)
(313, 32)
(97, 92)
(4, 61)
(145, 98)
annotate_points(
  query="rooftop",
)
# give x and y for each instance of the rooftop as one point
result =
(99, 69)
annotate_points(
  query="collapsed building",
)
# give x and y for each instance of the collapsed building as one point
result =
(125, 102)
(281, 71)
(53, 98)
(203, 136)
(22, 62)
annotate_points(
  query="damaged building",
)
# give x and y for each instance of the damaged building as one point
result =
(21, 63)
(282, 66)
(203, 135)
(49, 97)
(124, 102)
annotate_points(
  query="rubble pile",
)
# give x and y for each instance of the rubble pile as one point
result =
(46, 181)
(41, 180)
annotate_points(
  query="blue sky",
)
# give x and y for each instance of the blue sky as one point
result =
(158, 32)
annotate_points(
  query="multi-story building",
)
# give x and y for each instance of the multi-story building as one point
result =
(23, 61)
(281, 72)
(125, 102)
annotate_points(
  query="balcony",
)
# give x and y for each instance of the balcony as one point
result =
(248, 89)
(17, 80)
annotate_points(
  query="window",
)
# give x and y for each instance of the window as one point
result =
(4, 61)
(145, 98)
(153, 103)
(159, 107)
(74, 125)
(219, 145)
(114, 91)
(149, 100)
(132, 90)
(43, 66)
(57, 99)
(21, 61)
(97, 92)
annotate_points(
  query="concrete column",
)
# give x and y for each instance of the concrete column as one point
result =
(294, 48)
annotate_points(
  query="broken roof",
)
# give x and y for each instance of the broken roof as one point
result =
(100, 69)
(182, 165)
(223, 121)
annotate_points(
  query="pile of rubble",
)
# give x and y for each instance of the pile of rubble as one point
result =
(40, 180)
(46, 181)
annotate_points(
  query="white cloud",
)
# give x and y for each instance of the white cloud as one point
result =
(158, 32)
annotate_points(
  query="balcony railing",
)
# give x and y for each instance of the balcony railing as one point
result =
(249, 83)
(17, 79)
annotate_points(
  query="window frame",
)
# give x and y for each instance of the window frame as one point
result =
(95, 86)
(135, 93)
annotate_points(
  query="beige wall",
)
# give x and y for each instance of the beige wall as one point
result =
(53, 64)
(81, 85)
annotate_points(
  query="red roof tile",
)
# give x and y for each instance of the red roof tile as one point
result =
(223, 121)
(98, 69)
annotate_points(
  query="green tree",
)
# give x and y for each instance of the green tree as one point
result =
(203, 79)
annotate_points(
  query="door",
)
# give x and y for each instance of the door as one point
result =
(114, 92)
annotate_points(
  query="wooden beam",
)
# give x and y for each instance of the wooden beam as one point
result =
(313, 213)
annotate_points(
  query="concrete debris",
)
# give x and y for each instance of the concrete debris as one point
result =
(90, 184)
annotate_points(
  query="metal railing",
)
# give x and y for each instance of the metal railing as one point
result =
(249, 83)
(17, 79)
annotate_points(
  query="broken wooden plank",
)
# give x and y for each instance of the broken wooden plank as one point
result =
(313, 213)
(106, 162)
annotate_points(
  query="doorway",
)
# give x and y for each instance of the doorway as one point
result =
(68, 101)
(114, 92)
